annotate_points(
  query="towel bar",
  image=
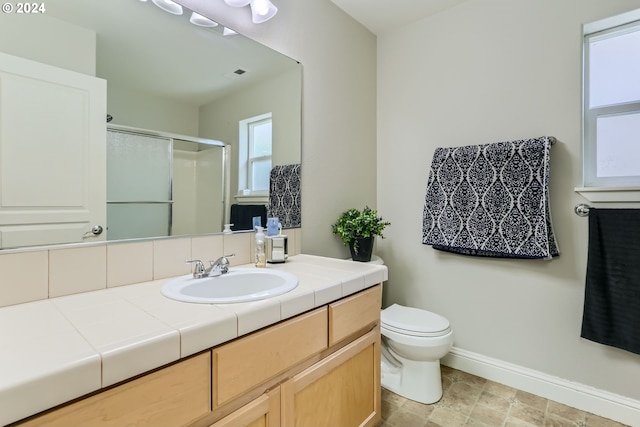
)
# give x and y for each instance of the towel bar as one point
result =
(582, 209)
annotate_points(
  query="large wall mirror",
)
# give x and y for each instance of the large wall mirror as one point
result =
(167, 78)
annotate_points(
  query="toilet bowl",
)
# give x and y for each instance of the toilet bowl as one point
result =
(413, 342)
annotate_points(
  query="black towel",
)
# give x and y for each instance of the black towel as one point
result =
(612, 292)
(242, 216)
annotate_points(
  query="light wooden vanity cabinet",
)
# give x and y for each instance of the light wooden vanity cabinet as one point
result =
(249, 362)
(338, 385)
(320, 368)
(261, 412)
(354, 314)
(172, 396)
(343, 389)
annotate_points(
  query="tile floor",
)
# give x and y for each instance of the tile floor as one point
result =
(469, 400)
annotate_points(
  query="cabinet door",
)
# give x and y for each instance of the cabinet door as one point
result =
(356, 313)
(342, 390)
(172, 396)
(52, 154)
(244, 364)
(262, 412)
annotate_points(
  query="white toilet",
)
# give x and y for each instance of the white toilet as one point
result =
(413, 342)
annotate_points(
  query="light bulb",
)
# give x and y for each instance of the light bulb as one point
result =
(262, 11)
(261, 7)
(168, 6)
(237, 3)
(201, 21)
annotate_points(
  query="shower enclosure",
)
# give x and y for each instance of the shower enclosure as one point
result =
(162, 184)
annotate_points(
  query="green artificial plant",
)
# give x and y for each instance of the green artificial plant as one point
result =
(354, 224)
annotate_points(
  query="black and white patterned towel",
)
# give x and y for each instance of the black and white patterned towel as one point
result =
(284, 195)
(491, 200)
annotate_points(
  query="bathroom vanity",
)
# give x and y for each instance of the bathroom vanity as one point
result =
(317, 367)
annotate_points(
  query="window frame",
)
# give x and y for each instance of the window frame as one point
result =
(245, 158)
(606, 28)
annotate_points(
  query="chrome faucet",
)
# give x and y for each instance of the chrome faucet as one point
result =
(216, 268)
(219, 266)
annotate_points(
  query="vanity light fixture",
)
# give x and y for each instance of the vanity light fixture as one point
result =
(264, 9)
(168, 6)
(261, 10)
(201, 21)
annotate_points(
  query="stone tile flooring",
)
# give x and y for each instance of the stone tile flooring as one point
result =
(469, 400)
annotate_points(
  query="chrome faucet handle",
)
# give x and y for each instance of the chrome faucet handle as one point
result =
(199, 270)
(222, 260)
(221, 264)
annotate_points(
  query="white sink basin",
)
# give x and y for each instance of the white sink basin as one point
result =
(238, 285)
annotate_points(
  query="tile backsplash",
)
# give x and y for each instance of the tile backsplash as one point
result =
(34, 274)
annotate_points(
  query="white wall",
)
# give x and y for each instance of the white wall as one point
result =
(280, 96)
(45, 39)
(144, 111)
(488, 71)
(338, 57)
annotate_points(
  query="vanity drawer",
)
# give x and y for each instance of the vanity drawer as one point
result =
(175, 395)
(354, 313)
(249, 361)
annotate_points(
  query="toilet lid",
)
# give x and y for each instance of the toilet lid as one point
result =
(413, 321)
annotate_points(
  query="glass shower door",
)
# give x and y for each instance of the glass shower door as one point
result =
(139, 200)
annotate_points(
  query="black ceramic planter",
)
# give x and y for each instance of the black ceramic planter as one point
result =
(364, 249)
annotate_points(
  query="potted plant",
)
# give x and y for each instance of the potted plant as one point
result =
(357, 229)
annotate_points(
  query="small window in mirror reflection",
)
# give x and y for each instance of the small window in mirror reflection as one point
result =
(255, 153)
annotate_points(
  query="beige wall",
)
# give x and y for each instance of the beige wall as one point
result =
(338, 57)
(488, 71)
(485, 71)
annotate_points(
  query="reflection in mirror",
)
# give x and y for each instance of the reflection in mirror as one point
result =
(162, 184)
(162, 73)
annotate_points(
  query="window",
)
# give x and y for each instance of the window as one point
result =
(611, 104)
(255, 155)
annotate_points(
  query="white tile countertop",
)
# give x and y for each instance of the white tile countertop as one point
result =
(61, 348)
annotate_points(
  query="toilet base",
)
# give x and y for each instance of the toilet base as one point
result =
(416, 380)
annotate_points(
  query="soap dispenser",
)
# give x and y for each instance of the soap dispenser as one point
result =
(261, 256)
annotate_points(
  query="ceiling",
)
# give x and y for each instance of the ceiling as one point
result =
(380, 16)
(134, 53)
(140, 47)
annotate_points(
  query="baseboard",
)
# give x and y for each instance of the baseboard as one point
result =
(580, 396)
